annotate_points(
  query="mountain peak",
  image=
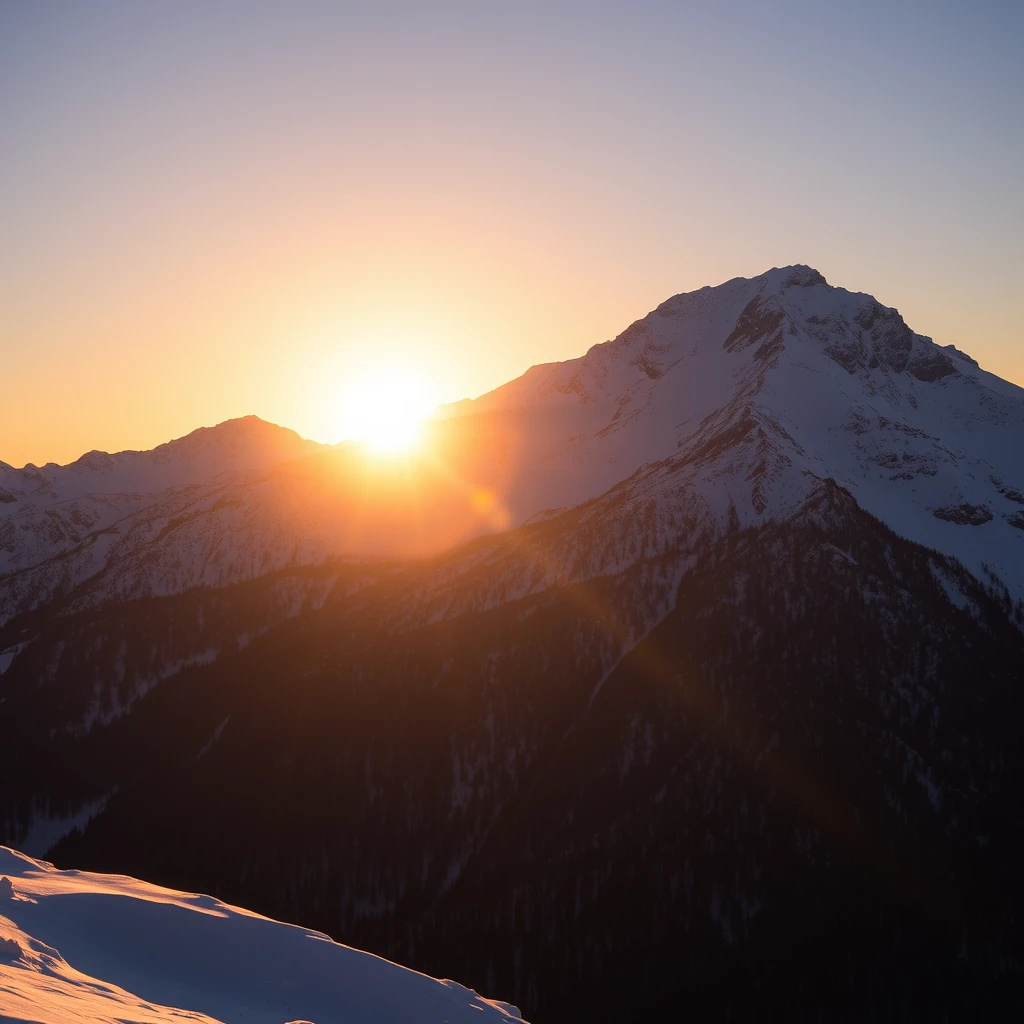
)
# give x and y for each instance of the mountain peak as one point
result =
(242, 430)
(244, 446)
(799, 275)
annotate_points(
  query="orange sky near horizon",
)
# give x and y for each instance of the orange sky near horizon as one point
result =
(247, 209)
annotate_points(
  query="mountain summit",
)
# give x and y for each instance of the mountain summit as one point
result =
(738, 398)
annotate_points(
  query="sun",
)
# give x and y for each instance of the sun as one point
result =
(385, 410)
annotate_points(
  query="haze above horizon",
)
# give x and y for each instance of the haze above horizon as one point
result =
(251, 208)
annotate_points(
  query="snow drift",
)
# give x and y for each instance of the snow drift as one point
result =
(77, 946)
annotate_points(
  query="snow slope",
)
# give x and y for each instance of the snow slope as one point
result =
(76, 946)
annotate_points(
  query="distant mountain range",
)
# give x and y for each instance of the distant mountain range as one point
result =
(685, 672)
(737, 397)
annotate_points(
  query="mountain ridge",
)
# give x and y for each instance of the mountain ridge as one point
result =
(713, 687)
(233, 436)
(770, 378)
(748, 358)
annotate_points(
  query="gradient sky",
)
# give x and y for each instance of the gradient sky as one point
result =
(210, 209)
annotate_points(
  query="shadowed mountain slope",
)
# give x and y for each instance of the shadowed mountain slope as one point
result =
(727, 720)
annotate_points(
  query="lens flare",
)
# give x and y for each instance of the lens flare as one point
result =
(491, 509)
(385, 410)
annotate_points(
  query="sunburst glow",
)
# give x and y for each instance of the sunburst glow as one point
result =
(386, 409)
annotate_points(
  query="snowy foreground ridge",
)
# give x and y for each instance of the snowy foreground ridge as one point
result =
(77, 946)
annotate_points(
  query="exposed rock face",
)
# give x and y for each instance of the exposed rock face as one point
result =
(930, 364)
(760, 321)
(803, 277)
(892, 340)
(876, 336)
(850, 353)
(1009, 493)
(964, 514)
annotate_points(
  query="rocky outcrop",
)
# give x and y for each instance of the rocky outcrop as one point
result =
(964, 514)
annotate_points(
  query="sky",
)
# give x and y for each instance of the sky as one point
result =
(211, 209)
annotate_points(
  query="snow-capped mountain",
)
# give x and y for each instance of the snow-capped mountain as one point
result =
(136, 524)
(77, 946)
(745, 395)
(233, 449)
(737, 397)
(739, 691)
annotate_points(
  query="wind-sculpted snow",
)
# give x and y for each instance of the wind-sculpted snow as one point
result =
(76, 946)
